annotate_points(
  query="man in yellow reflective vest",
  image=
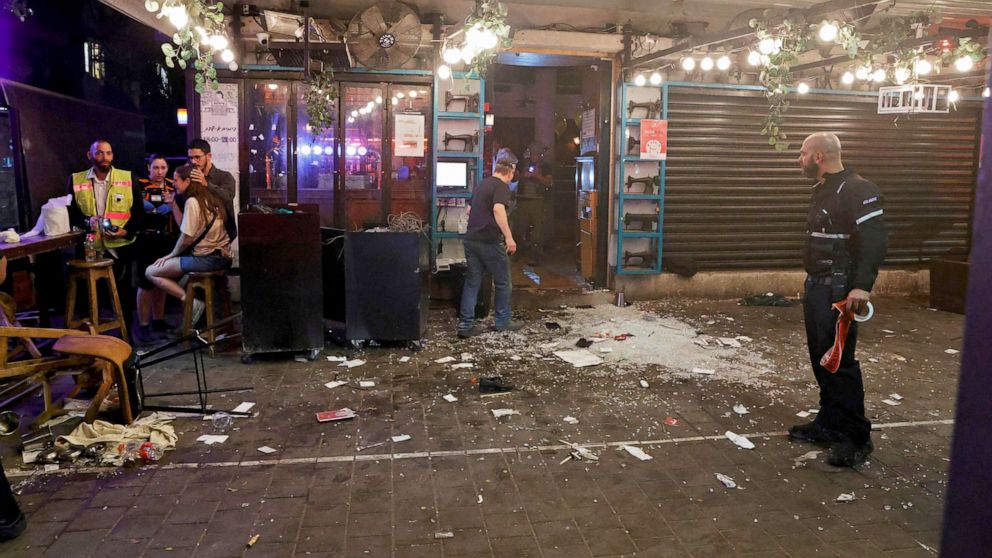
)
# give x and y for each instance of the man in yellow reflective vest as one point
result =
(105, 198)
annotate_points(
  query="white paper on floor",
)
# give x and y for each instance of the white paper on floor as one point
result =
(337, 359)
(401, 438)
(243, 408)
(366, 384)
(334, 384)
(727, 481)
(352, 363)
(741, 441)
(636, 452)
(445, 360)
(504, 412)
(266, 450)
(571, 420)
(802, 414)
(462, 365)
(579, 358)
(644, 383)
(895, 397)
(450, 398)
(951, 351)
(704, 371)
(211, 439)
(846, 497)
(808, 456)
(740, 409)
(405, 359)
(891, 402)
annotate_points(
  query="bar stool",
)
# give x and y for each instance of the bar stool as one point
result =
(90, 273)
(212, 284)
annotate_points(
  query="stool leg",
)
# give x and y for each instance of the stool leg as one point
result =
(208, 299)
(70, 302)
(94, 303)
(188, 308)
(115, 300)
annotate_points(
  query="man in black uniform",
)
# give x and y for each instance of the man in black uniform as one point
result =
(846, 244)
(532, 193)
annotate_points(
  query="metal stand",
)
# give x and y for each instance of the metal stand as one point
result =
(198, 343)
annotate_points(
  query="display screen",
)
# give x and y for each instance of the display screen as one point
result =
(452, 175)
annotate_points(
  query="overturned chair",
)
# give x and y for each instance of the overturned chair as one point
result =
(85, 355)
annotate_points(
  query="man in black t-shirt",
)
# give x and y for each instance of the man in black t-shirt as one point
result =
(487, 243)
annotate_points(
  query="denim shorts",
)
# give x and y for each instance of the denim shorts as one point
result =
(199, 264)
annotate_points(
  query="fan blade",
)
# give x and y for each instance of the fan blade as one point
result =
(363, 49)
(405, 24)
(372, 19)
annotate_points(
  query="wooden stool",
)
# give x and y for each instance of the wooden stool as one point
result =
(90, 273)
(112, 352)
(205, 282)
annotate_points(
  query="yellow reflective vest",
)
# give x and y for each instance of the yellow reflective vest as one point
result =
(119, 200)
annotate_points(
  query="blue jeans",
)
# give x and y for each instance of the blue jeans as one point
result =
(481, 257)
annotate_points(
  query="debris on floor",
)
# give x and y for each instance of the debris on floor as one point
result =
(211, 439)
(462, 366)
(337, 359)
(571, 420)
(253, 540)
(401, 438)
(671, 421)
(739, 440)
(493, 385)
(579, 358)
(499, 413)
(243, 408)
(727, 481)
(644, 383)
(846, 497)
(741, 409)
(891, 402)
(340, 414)
(335, 383)
(636, 452)
(354, 363)
(366, 384)
(767, 299)
(450, 398)
(578, 453)
(445, 360)
(444, 535)
(267, 450)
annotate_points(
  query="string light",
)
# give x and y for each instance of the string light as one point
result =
(953, 96)
(878, 75)
(803, 88)
(451, 55)
(219, 42)
(753, 58)
(706, 64)
(767, 46)
(847, 78)
(986, 93)
(688, 63)
(901, 75)
(443, 71)
(862, 73)
(922, 67)
(723, 63)
(964, 64)
(828, 31)
(640, 80)
(227, 55)
(655, 78)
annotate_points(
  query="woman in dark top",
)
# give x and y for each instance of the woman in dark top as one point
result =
(156, 239)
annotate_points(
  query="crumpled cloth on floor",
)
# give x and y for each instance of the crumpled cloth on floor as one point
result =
(155, 428)
(831, 358)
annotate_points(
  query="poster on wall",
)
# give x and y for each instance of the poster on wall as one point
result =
(219, 127)
(654, 140)
(409, 131)
(587, 136)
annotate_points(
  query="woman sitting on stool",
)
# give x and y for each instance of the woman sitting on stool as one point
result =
(203, 245)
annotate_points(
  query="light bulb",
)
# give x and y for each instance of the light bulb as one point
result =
(923, 67)
(350, 151)
(918, 95)
(828, 32)
(901, 75)
(862, 73)
(151, 6)
(204, 38)
(688, 63)
(273, 86)
(354, 114)
(488, 39)
(305, 149)
(754, 58)
(639, 80)
(986, 93)
(362, 150)
(443, 71)
(723, 63)
(413, 94)
(878, 75)
(451, 55)
(178, 17)
(767, 46)
(227, 55)
(655, 78)
(317, 150)
(219, 42)
(964, 64)
(706, 64)
(847, 78)
(467, 55)
(473, 37)
(400, 95)
(378, 99)
(802, 88)
(233, 66)
(351, 120)
(953, 96)
(395, 101)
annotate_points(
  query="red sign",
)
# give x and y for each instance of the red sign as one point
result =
(654, 140)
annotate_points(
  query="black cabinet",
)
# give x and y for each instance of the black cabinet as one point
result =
(387, 278)
(281, 289)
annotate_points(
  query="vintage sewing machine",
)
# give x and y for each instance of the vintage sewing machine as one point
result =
(652, 109)
(648, 258)
(468, 140)
(642, 222)
(633, 145)
(649, 183)
(471, 101)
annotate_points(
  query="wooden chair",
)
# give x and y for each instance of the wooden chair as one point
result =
(213, 285)
(80, 349)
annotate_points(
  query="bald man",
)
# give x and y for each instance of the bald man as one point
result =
(845, 244)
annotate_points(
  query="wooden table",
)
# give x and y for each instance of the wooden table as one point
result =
(40, 244)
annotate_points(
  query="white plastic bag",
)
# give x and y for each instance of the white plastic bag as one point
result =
(56, 219)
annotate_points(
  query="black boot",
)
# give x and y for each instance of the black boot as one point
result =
(814, 432)
(13, 529)
(849, 454)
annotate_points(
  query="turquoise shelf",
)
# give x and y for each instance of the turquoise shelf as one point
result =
(642, 234)
(459, 115)
(459, 155)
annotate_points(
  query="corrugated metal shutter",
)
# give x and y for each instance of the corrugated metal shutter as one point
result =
(733, 202)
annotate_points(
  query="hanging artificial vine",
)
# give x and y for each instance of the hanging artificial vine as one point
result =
(488, 20)
(781, 45)
(319, 99)
(200, 34)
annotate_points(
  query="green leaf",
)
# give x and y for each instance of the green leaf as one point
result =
(199, 88)
(168, 50)
(182, 63)
(772, 141)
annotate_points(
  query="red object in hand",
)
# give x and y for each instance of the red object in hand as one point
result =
(831, 358)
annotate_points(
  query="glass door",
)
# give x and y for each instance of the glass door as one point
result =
(267, 118)
(409, 184)
(316, 160)
(361, 159)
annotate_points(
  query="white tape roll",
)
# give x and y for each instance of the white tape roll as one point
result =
(866, 317)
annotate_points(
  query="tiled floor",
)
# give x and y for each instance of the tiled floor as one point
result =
(499, 487)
